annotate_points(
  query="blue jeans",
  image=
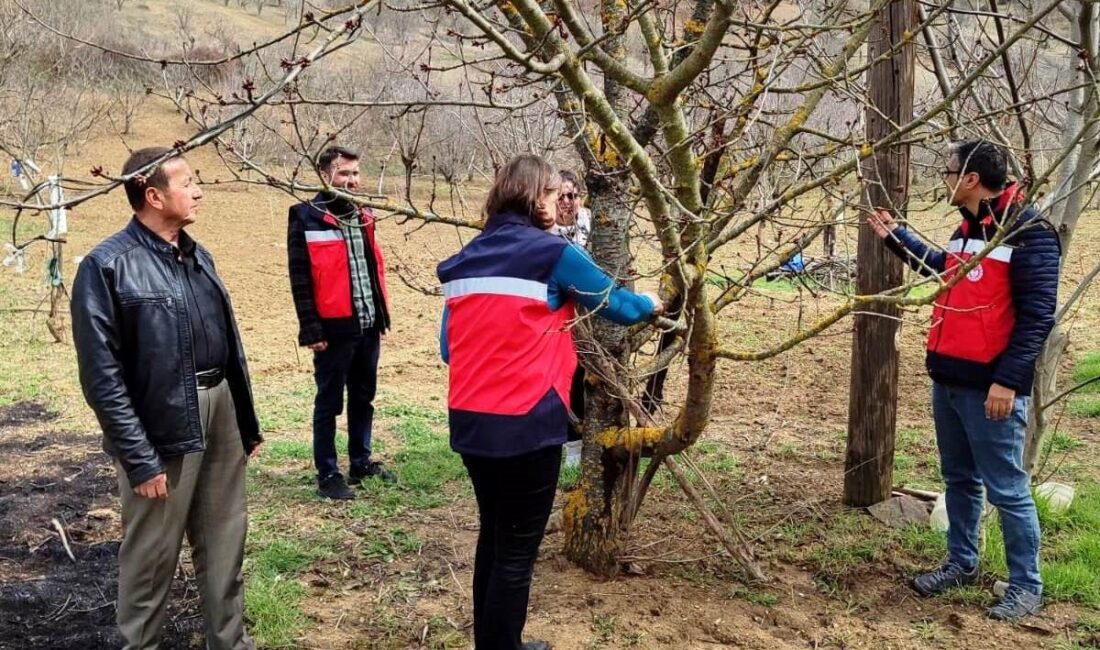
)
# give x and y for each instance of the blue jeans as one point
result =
(977, 451)
(353, 364)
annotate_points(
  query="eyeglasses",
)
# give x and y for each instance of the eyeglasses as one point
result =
(949, 172)
(569, 196)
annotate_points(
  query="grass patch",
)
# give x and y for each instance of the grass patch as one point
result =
(779, 285)
(926, 545)
(391, 545)
(426, 463)
(273, 606)
(279, 553)
(1086, 402)
(568, 477)
(1071, 549)
(1070, 556)
(1085, 405)
(851, 541)
(715, 461)
(287, 555)
(916, 461)
(763, 598)
(1060, 442)
(1086, 368)
(274, 595)
(282, 450)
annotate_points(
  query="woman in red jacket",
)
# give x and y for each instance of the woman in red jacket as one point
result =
(510, 296)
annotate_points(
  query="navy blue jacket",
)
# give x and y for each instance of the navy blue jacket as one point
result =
(991, 326)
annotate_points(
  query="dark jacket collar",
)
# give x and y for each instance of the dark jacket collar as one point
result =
(507, 218)
(996, 209)
(149, 239)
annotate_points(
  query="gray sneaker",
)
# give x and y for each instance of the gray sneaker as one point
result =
(1016, 604)
(949, 576)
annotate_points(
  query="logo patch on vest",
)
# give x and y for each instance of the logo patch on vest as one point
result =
(976, 273)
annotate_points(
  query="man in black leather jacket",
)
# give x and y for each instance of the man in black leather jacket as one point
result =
(162, 365)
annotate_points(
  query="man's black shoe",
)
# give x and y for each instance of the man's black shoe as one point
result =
(372, 469)
(1016, 604)
(949, 576)
(334, 487)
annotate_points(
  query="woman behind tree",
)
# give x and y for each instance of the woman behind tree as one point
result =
(509, 301)
(573, 221)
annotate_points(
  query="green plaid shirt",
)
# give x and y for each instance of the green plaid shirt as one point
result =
(362, 293)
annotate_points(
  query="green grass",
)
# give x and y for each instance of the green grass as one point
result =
(272, 605)
(1086, 402)
(279, 553)
(426, 463)
(716, 462)
(916, 461)
(274, 595)
(568, 477)
(781, 285)
(1085, 405)
(763, 598)
(1070, 556)
(391, 544)
(1060, 442)
(1086, 368)
(280, 451)
(850, 541)
(287, 555)
(925, 545)
(1071, 549)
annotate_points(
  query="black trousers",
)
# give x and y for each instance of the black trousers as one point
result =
(514, 498)
(350, 363)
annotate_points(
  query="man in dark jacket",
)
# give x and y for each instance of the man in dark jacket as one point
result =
(337, 277)
(987, 331)
(162, 366)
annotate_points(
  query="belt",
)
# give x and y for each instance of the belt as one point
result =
(207, 379)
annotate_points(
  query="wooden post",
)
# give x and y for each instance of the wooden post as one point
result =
(872, 414)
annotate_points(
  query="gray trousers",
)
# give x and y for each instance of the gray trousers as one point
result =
(206, 500)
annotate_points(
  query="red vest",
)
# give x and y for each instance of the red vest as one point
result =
(328, 259)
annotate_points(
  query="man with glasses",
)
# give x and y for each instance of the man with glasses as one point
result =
(987, 331)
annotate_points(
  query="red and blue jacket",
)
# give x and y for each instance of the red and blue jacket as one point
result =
(990, 326)
(320, 272)
(506, 336)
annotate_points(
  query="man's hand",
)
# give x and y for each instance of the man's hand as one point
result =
(319, 346)
(255, 450)
(998, 405)
(882, 223)
(154, 488)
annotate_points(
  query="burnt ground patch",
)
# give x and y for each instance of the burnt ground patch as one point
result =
(23, 413)
(60, 604)
(48, 600)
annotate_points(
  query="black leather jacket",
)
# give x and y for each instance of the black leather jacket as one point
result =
(134, 348)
